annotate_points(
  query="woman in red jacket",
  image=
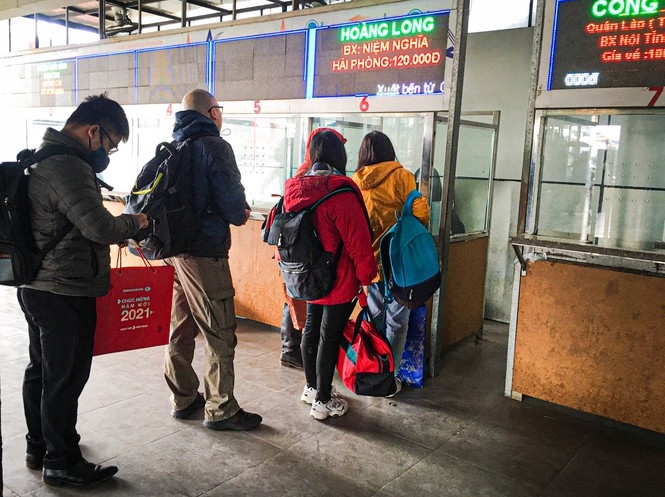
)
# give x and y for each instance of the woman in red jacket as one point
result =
(294, 311)
(341, 218)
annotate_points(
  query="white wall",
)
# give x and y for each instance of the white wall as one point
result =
(497, 78)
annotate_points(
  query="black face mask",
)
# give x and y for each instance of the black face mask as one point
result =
(99, 159)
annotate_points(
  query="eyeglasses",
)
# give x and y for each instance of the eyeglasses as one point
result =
(114, 146)
(220, 107)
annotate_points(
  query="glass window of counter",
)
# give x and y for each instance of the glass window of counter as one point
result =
(405, 132)
(601, 179)
(265, 149)
(473, 177)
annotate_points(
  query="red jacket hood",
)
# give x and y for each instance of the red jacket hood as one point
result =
(306, 163)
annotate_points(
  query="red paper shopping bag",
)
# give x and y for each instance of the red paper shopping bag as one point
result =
(136, 313)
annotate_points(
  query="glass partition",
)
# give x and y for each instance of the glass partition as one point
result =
(473, 178)
(268, 149)
(602, 179)
(404, 131)
(475, 157)
(265, 149)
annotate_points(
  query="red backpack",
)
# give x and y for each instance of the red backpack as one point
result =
(365, 362)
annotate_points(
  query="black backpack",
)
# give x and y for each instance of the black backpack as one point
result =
(308, 271)
(164, 191)
(19, 257)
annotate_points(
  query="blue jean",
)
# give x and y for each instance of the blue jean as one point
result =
(391, 318)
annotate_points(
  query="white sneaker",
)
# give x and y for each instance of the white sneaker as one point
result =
(336, 406)
(309, 394)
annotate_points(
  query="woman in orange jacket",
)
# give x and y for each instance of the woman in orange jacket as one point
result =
(385, 184)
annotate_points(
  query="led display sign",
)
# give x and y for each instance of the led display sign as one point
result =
(53, 77)
(608, 44)
(402, 56)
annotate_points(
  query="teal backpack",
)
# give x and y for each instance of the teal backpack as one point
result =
(409, 259)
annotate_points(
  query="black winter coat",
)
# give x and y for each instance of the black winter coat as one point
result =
(219, 194)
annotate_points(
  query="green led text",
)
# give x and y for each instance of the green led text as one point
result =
(405, 27)
(603, 8)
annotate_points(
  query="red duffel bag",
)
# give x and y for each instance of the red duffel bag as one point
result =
(365, 362)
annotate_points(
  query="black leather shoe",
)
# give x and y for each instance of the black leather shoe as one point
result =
(198, 403)
(82, 473)
(34, 461)
(239, 421)
(291, 360)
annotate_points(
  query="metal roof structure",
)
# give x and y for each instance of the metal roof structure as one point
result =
(115, 17)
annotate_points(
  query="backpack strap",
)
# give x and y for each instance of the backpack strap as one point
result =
(41, 154)
(44, 152)
(386, 268)
(57, 238)
(341, 189)
(408, 203)
(277, 209)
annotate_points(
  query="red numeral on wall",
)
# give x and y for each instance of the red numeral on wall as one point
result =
(658, 91)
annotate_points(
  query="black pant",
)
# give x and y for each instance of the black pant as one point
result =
(0, 447)
(61, 330)
(320, 345)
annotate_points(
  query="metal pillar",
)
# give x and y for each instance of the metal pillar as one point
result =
(102, 19)
(448, 187)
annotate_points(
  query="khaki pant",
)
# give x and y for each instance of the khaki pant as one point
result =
(202, 302)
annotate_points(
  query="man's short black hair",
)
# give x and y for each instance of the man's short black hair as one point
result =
(101, 110)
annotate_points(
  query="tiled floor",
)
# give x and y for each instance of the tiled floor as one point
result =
(458, 436)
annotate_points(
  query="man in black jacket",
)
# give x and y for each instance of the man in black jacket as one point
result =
(203, 289)
(59, 305)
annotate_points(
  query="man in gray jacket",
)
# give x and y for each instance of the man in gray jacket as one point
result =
(203, 290)
(59, 305)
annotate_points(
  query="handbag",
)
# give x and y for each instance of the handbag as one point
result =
(412, 368)
(136, 312)
(365, 361)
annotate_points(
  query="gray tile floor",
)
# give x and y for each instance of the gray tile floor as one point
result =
(458, 436)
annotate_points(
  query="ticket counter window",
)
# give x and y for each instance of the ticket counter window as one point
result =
(473, 178)
(405, 132)
(264, 149)
(601, 180)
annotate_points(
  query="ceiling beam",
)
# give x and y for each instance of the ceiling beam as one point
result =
(20, 8)
(61, 22)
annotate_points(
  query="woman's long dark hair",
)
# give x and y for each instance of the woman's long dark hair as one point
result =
(327, 147)
(375, 148)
